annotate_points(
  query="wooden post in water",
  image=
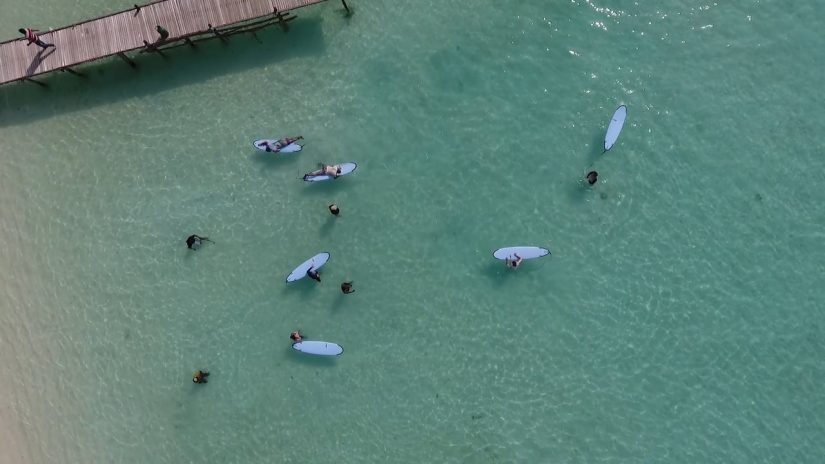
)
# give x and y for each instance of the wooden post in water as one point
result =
(281, 21)
(215, 31)
(127, 59)
(41, 84)
(153, 48)
(72, 71)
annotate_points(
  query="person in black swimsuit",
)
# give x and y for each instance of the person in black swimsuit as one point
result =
(193, 242)
(592, 177)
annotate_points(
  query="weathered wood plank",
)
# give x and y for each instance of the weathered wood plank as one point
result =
(126, 30)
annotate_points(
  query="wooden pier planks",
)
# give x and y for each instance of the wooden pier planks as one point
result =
(126, 30)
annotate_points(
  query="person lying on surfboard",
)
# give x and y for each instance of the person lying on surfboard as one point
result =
(284, 142)
(326, 170)
(514, 263)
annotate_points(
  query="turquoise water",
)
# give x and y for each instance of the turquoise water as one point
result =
(677, 320)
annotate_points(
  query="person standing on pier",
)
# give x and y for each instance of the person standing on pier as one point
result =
(33, 38)
(164, 34)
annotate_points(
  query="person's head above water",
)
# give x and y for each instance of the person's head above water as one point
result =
(592, 177)
(333, 208)
(193, 242)
(200, 376)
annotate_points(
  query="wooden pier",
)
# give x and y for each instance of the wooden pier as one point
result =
(186, 21)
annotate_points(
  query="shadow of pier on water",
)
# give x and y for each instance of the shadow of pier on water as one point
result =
(110, 80)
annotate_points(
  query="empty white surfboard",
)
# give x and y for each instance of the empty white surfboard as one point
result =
(318, 348)
(524, 252)
(615, 127)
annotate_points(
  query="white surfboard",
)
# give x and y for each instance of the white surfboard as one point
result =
(526, 252)
(291, 148)
(346, 168)
(615, 127)
(301, 271)
(318, 348)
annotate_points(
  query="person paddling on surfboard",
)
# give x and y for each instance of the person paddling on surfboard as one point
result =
(326, 170)
(313, 274)
(193, 242)
(282, 143)
(514, 263)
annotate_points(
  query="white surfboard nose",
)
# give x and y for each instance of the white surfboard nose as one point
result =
(615, 127)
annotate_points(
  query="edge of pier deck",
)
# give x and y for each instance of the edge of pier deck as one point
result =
(125, 31)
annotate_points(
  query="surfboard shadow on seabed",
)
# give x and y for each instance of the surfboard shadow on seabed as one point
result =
(579, 190)
(340, 302)
(596, 150)
(325, 187)
(305, 287)
(326, 228)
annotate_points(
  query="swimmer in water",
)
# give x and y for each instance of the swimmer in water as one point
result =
(592, 177)
(313, 274)
(513, 263)
(193, 242)
(200, 376)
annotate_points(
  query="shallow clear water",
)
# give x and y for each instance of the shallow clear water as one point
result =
(678, 318)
